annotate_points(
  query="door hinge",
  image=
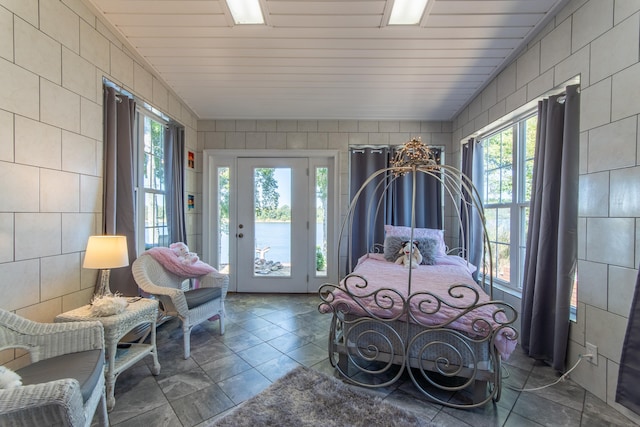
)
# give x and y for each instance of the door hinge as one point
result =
(307, 278)
(307, 225)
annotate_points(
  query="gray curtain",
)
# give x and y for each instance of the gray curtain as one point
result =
(629, 371)
(174, 182)
(363, 163)
(471, 234)
(396, 204)
(119, 202)
(428, 203)
(551, 251)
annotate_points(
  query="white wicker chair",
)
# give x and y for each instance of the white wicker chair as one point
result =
(57, 402)
(188, 306)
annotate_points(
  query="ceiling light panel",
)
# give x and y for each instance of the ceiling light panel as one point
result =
(246, 11)
(407, 12)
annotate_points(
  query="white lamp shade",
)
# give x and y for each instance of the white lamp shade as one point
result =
(104, 252)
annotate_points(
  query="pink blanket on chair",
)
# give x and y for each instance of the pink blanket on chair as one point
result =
(174, 264)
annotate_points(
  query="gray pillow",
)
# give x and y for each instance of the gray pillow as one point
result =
(428, 248)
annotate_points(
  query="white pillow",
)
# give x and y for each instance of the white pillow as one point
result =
(8, 378)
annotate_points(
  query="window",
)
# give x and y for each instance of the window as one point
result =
(153, 225)
(508, 172)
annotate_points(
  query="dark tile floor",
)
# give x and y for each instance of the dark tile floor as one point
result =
(268, 335)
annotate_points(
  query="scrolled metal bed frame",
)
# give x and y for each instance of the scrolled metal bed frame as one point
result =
(375, 351)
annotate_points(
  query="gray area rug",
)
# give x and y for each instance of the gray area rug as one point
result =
(305, 397)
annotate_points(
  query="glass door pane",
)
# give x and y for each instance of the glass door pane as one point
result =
(223, 219)
(322, 203)
(272, 220)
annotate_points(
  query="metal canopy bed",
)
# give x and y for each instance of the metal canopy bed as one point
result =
(431, 323)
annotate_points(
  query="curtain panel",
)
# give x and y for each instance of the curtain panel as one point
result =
(174, 183)
(393, 196)
(471, 233)
(629, 371)
(551, 250)
(363, 162)
(428, 199)
(119, 203)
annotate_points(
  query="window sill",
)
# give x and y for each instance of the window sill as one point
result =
(507, 290)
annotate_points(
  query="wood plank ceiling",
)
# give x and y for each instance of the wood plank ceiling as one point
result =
(327, 59)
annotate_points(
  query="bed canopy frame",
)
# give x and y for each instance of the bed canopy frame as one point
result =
(450, 367)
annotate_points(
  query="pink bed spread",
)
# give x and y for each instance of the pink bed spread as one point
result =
(434, 279)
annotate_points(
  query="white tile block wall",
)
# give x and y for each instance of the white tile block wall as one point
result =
(25, 9)
(602, 36)
(625, 93)
(53, 57)
(79, 153)
(59, 107)
(609, 146)
(556, 46)
(620, 294)
(623, 9)
(94, 47)
(59, 191)
(606, 61)
(78, 75)
(595, 105)
(61, 24)
(37, 144)
(37, 235)
(91, 119)
(528, 66)
(20, 283)
(60, 275)
(19, 187)
(625, 192)
(594, 189)
(142, 81)
(90, 194)
(21, 90)
(6, 34)
(76, 229)
(6, 237)
(593, 283)
(590, 21)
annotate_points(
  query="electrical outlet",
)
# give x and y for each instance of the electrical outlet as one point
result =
(592, 349)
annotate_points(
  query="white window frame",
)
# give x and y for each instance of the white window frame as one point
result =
(517, 206)
(141, 191)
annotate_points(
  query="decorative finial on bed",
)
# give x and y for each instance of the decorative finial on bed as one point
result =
(413, 153)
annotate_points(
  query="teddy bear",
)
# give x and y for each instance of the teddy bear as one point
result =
(408, 251)
(182, 251)
(9, 379)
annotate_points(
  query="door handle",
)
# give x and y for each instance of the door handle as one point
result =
(240, 235)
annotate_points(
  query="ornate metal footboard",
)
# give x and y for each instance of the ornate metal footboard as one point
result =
(377, 337)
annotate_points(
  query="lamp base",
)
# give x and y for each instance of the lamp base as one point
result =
(102, 286)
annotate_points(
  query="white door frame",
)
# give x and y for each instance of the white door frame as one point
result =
(214, 158)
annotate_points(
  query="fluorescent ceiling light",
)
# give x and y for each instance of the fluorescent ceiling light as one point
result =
(246, 11)
(407, 12)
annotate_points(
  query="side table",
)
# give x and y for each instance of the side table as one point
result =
(138, 312)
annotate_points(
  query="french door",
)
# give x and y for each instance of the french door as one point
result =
(272, 222)
(272, 235)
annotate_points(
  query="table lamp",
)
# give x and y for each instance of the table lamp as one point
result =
(105, 253)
